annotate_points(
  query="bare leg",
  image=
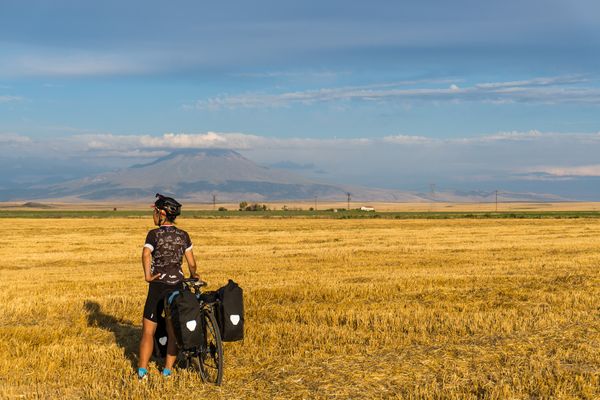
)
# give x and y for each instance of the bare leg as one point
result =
(171, 346)
(147, 342)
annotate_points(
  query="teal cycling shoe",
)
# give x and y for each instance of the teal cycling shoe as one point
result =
(142, 374)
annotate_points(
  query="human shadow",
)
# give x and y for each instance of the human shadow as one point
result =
(126, 335)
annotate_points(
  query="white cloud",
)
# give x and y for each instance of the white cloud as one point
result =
(95, 142)
(132, 154)
(250, 100)
(543, 81)
(27, 61)
(311, 74)
(550, 90)
(408, 139)
(568, 171)
(13, 139)
(9, 99)
(514, 136)
(237, 141)
(506, 136)
(73, 65)
(104, 142)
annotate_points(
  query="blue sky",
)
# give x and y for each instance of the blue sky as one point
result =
(306, 74)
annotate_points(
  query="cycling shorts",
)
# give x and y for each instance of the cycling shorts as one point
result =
(155, 302)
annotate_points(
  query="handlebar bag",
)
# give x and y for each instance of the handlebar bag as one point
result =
(230, 312)
(186, 316)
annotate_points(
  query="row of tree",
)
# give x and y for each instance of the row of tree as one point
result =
(244, 206)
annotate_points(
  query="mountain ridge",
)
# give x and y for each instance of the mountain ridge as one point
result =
(198, 174)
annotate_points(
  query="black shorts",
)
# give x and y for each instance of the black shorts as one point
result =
(155, 305)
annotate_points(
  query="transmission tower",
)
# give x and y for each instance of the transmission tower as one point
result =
(214, 196)
(349, 197)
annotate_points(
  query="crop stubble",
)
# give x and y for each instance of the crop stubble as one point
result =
(334, 308)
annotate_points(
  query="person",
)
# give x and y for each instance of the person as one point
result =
(162, 257)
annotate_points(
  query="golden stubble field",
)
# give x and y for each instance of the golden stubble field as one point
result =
(453, 309)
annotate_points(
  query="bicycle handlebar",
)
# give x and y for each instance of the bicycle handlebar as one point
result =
(195, 281)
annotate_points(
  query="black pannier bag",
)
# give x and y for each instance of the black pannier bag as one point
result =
(230, 312)
(186, 315)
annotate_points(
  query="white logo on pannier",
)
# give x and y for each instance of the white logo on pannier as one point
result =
(191, 325)
(162, 340)
(235, 319)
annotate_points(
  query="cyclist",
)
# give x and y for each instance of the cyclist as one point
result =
(162, 256)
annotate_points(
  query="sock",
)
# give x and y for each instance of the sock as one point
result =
(142, 372)
(166, 372)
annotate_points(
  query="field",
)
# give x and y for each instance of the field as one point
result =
(455, 308)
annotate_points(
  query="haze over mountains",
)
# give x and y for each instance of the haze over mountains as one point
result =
(197, 175)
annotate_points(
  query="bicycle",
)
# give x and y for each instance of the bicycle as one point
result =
(207, 358)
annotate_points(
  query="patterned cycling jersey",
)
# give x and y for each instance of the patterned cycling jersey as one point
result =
(168, 245)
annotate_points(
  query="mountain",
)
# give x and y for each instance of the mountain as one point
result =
(195, 175)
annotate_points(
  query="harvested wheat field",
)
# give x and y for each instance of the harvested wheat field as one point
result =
(457, 309)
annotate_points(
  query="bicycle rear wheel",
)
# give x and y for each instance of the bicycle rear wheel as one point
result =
(208, 359)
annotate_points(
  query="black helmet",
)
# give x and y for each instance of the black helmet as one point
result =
(171, 207)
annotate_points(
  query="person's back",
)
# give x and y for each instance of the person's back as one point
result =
(168, 245)
(162, 256)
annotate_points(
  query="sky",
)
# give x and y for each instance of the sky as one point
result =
(465, 94)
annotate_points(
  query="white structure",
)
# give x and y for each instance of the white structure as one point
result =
(363, 208)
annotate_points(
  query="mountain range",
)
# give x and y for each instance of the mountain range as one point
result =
(197, 175)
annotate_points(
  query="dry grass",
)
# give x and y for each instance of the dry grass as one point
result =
(453, 309)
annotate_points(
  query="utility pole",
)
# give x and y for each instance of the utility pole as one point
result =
(315, 203)
(432, 195)
(496, 200)
(214, 201)
(349, 196)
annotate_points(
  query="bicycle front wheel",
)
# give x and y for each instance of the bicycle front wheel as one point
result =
(210, 356)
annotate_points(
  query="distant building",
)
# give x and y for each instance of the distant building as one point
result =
(363, 208)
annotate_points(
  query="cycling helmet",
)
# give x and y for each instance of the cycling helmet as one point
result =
(170, 206)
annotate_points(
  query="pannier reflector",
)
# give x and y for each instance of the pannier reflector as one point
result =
(235, 319)
(191, 325)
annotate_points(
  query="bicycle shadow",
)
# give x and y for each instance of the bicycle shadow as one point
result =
(126, 335)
